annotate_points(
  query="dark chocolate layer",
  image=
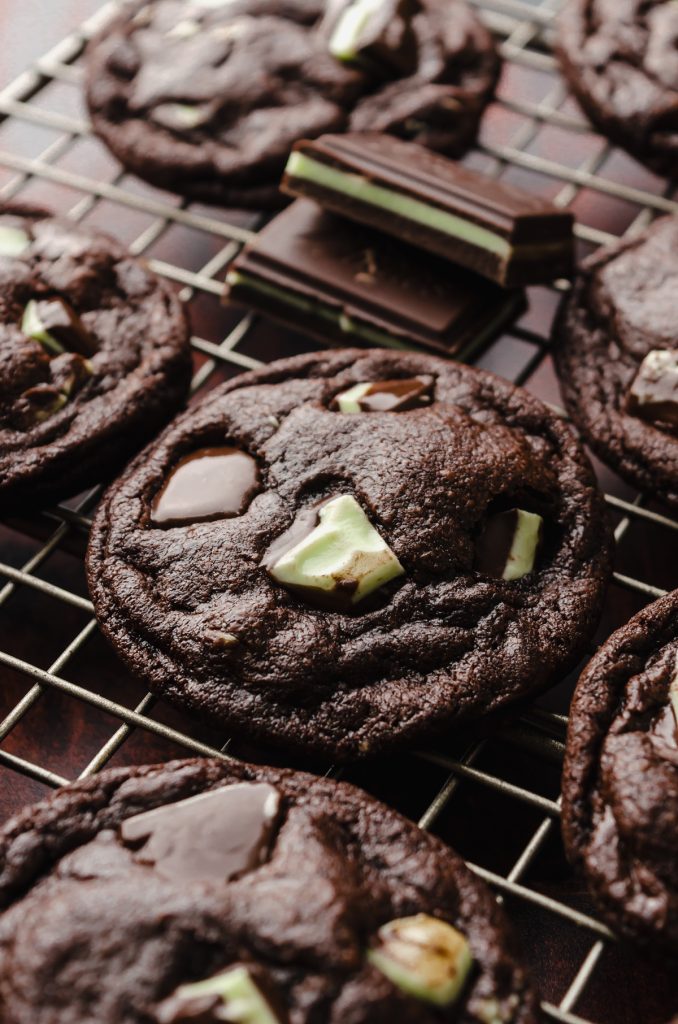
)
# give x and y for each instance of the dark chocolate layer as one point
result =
(346, 281)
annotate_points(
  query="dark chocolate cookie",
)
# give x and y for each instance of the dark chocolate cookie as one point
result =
(620, 783)
(617, 357)
(344, 552)
(621, 62)
(94, 356)
(207, 98)
(207, 891)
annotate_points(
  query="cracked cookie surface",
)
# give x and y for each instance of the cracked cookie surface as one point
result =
(621, 61)
(75, 402)
(171, 90)
(109, 932)
(620, 781)
(193, 611)
(620, 309)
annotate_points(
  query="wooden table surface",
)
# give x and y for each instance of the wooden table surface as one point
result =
(62, 734)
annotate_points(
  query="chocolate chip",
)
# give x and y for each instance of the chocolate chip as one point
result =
(216, 836)
(209, 484)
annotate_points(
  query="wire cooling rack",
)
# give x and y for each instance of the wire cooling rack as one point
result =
(65, 701)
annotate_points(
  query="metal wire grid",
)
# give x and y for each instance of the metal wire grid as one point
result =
(525, 31)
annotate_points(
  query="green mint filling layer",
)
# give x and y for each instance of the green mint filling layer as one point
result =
(357, 187)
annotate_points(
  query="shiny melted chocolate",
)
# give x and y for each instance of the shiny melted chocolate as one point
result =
(213, 837)
(396, 395)
(494, 544)
(209, 484)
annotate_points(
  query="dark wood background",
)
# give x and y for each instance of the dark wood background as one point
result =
(62, 734)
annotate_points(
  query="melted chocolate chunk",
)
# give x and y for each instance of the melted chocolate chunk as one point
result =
(304, 523)
(61, 322)
(507, 547)
(494, 544)
(654, 392)
(393, 395)
(214, 837)
(212, 483)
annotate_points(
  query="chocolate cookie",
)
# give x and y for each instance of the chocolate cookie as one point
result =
(94, 356)
(620, 783)
(208, 891)
(172, 91)
(345, 552)
(621, 62)
(617, 358)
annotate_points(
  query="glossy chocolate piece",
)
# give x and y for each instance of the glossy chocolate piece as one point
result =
(501, 232)
(216, 836)
(341, 281)
(56, 320)
(377, 34)
(209, 484)
(385, 395)
(508, 545)
(653, 394)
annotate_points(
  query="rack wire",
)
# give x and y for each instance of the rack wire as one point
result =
(610, 197)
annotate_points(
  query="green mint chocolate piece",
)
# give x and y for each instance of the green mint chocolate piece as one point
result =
(344, 42)
(13, 241)
(34, 327)
(424, 956)
(179, 115)
(57, 327)
(343, 553)
(243, 1003)
(358, 187)
(349, 401)
(523, 551)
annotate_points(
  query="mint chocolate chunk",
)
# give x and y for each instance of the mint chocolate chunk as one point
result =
(510, 236)
(509, 543)
(333, 557)
(57, 327)
(375, 33)
(385, 395)
(13, 241)
(424, 956)
(230, 996)
(653, 394)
